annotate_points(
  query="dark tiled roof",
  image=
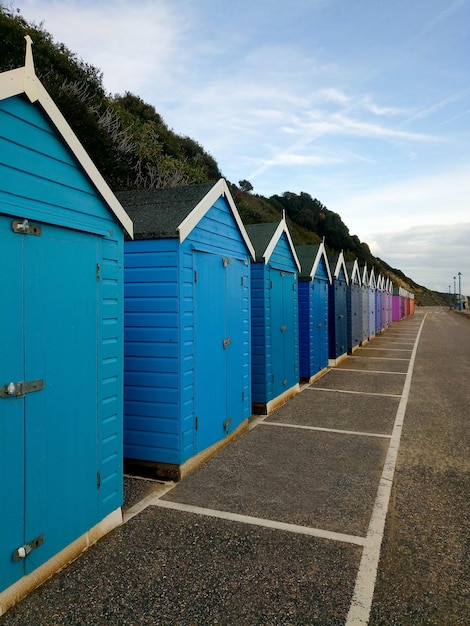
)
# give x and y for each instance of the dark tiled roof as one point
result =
(306, 255)
(260, 235)
(333, 261)
(157, 213)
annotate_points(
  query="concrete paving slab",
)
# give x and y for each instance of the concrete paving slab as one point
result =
(287, 475)
(374, 365)
(328, 409)
(190, 570)
(362, 381)
(370, 351)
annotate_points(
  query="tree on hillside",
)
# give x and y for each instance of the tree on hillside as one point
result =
(245, 186)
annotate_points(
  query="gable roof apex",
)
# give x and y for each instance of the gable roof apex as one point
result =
(173, 212)
(310, 257)
(265, 236)
(336, 264)
(24, 81)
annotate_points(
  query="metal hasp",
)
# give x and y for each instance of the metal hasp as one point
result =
(17, 390)
(25, 228)
(227, 341)
(227, 423)
(23, 551)
(283, 329)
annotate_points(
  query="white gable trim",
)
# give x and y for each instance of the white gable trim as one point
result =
(355, 273)
(219, 189)
(341, 263)
(282, 228)
(321, 253)
(365, 276)
(25, 81)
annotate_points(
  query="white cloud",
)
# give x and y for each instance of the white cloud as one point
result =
(430, 255)
(130, 42)
(440, 197)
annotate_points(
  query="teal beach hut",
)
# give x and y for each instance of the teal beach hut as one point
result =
(61, 348)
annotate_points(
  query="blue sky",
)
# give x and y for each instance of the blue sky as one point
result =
(363, 104)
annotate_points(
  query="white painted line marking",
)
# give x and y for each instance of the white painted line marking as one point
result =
(350, 369)
(145, 502)
(327, 430)
(359, 611)
(259, 521)
(389, 349)
(379, 358)
(361, 393)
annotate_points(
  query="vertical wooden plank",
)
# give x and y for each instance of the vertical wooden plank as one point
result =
(11, 409)
(61, 420)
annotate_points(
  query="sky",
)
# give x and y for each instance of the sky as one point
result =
(363, 104)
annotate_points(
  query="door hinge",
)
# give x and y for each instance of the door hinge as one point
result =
(25, 228)
(195, 276)
(243, 396)
(98, 271)
(98, 480)
(23, 551)
(18, 390)
(197, 423)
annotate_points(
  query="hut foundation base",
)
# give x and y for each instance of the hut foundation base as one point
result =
(174, 472)
(261, 408)
(22, 587)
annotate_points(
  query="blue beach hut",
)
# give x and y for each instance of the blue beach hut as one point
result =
(187, 383)
(372, 303)
(381, 304)
(274, 316)
(337, 311)
(365, 304)
(61, 300)
(354, 302)
(314, 281)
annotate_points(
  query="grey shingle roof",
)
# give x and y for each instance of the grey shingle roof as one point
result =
(260, 235)
(157, 213)
(307, 255)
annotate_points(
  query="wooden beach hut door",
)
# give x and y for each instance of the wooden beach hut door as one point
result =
(283, 299)
(48, 389)
(319, 293)
(219, 332)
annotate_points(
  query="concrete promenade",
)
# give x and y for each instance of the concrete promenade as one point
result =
(348, 505)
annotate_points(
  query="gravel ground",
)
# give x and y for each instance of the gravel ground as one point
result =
(180, 569)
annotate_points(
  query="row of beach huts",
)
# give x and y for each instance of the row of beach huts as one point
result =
(147, 326)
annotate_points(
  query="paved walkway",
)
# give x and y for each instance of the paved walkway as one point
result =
(348, 505)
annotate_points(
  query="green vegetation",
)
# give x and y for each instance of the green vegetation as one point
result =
(134, 149)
